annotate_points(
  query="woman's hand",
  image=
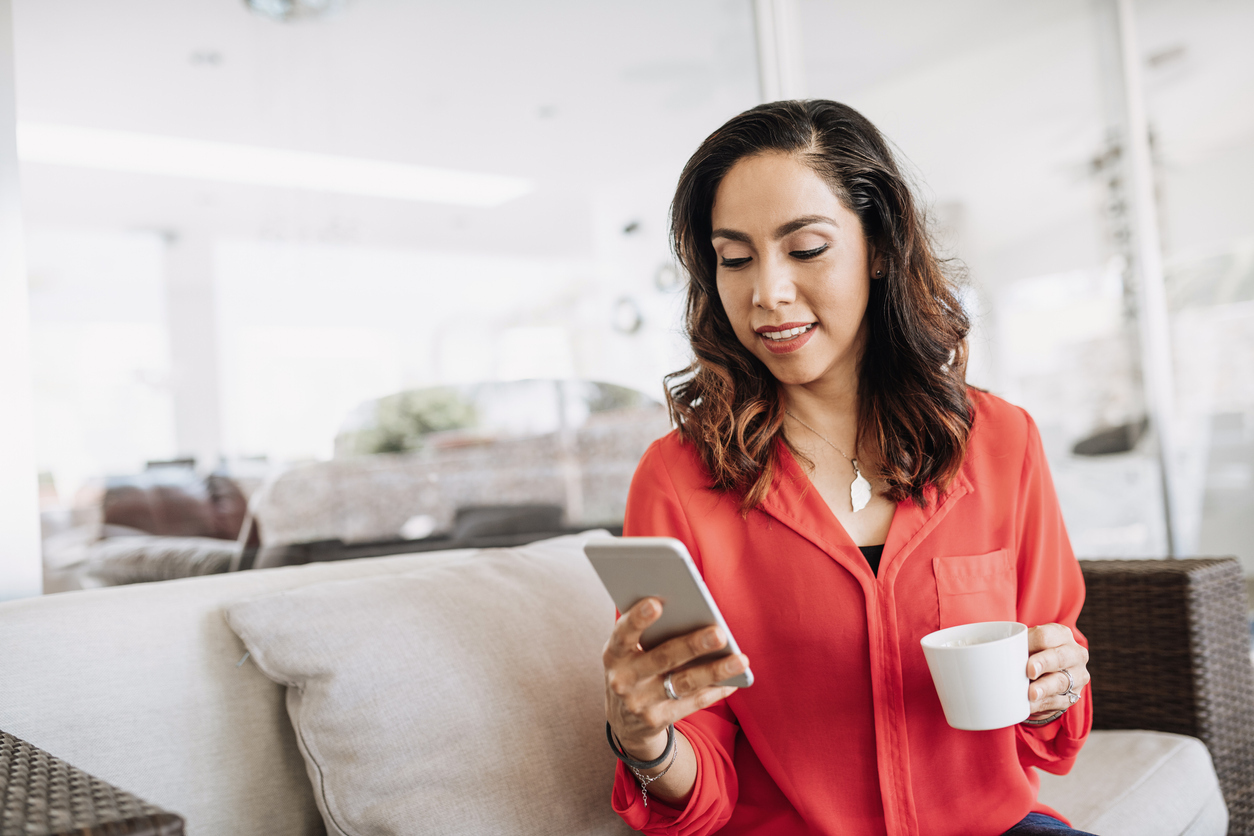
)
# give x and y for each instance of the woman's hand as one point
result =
(636, 703)
(1052, 649)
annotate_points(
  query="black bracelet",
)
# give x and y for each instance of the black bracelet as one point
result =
(1045, 721)
(622, 755)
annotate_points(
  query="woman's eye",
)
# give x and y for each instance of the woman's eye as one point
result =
(803, 254)
(735, 262)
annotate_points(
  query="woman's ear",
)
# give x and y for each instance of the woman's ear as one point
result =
(875, 261)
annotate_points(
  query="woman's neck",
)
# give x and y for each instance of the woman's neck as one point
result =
(827, 407)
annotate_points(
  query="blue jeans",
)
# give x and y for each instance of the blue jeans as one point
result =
(1039, 824)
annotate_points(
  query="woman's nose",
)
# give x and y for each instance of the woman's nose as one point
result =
(773, 286)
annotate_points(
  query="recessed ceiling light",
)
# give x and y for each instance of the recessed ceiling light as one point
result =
(258, 166)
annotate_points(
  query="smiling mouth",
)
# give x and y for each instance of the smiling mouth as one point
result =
(787, 333)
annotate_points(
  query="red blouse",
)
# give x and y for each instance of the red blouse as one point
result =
(842, 731)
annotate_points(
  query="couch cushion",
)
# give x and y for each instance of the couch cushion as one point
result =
(150, 557)
(1140, 783)
(464, 698)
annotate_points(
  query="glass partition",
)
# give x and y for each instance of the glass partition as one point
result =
(243, 228)
(1010, 115)
(1199, 81)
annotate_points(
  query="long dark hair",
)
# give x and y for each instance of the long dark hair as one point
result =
(912, 398)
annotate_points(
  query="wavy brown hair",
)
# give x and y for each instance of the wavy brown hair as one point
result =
(913, 409)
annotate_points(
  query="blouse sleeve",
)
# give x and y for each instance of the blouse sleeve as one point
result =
(1051, 589)
(654, 509)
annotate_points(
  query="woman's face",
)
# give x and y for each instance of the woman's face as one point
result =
(793, 271)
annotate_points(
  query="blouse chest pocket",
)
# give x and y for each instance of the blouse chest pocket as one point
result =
(978, 587)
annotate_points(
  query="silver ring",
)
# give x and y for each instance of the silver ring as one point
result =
(1071, 695)
(669, 688)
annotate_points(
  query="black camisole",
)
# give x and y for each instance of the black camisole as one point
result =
(873, 555)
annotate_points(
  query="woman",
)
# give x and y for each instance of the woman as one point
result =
(843, 493)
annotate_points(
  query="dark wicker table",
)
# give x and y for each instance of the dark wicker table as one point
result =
(1170, 651)
(44, 796)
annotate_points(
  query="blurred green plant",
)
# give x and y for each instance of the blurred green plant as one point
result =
(403, 421)
(606, 397)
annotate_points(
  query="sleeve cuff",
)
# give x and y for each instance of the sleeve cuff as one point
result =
(708, 808)
(1054, 746)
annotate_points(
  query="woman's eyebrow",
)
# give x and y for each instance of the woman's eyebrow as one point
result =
(804, 221)
(730, 235)
(788, 228)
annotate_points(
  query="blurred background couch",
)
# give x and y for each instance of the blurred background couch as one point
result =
(494, 464)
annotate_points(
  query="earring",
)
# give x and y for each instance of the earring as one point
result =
(879, 274)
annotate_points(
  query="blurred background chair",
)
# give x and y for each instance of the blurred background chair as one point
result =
(165, 522)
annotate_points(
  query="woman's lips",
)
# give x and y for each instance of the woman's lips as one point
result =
(786, 346)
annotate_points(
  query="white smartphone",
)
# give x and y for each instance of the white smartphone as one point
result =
(632, 568)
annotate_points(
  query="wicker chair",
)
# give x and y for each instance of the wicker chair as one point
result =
(1170, 647)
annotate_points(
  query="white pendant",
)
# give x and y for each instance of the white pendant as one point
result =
(860, 490)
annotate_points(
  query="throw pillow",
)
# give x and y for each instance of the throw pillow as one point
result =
(466, 698)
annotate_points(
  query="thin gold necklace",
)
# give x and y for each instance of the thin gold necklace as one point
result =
(860, 488)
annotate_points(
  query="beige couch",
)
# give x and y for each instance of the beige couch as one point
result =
(435, 693)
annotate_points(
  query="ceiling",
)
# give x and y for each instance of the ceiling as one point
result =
(575, 95)
(997, 105)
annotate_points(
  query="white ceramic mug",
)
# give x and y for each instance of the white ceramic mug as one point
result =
(980, 673)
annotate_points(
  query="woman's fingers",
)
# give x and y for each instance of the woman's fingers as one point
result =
(1049, 693)
(1053, 659)
(623, 648)
(679, 651)
(637, 705)
(1052, 685)
(696, 688)
(706, 697)
(1054, 650)
(1044, 636)
(641, 715)
(625, 639)
(696, 679)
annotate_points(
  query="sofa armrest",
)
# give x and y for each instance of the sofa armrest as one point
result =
(44, 796)
(1169, 643)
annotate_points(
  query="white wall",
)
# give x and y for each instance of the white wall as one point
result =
(20, 573)
(103, 377)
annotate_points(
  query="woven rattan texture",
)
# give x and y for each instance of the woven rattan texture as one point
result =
(44, 796)
(1170, 651)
